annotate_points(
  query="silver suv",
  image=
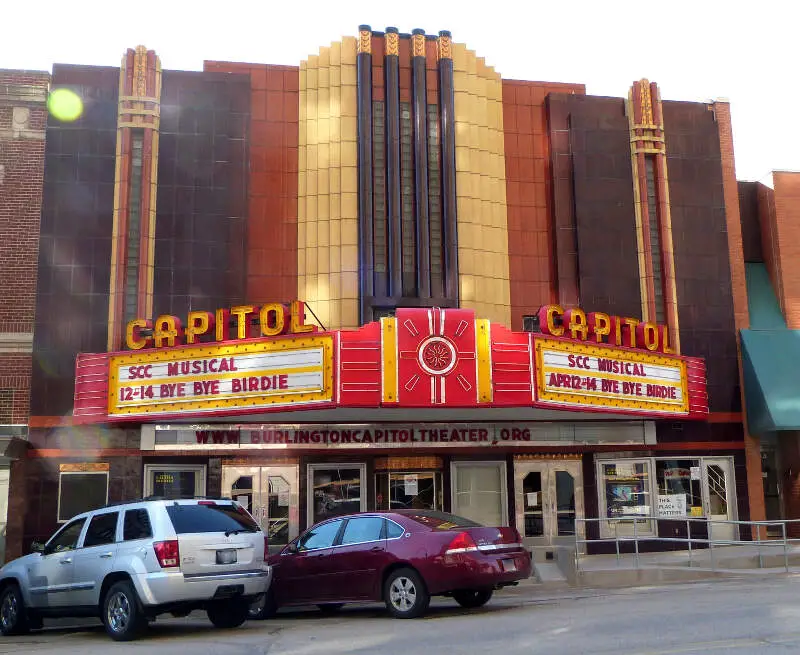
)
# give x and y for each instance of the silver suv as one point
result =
(129, 562)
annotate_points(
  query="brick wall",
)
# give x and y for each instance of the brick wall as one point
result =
(23, 117)
(787, 228)
(528, 194)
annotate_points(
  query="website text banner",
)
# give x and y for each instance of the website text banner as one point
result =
(583, 376)
(211, 378)
(398, 435)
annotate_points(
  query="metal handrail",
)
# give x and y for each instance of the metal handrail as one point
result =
(784, 541)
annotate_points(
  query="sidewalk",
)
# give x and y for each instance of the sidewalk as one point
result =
(610, 571)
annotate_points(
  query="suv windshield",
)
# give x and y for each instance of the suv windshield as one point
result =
(210, 518)
(440, 520)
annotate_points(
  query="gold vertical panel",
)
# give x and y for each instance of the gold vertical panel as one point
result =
(139, 107)
(480, 186)
(637, 209)
(389, 374)
(484, 348)
(327, 207)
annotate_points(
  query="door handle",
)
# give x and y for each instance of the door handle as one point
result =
(66, 560)
(107, 555)
(376, 549)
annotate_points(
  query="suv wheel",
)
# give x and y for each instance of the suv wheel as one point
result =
(405, 594)
(122, 615)
(13, 617)
(230, 614)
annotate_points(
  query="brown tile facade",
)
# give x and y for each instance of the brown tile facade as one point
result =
(700, 242)
(272, 186)
(529, 189)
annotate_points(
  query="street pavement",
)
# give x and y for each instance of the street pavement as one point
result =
(727, 616)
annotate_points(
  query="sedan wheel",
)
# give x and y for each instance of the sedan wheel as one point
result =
(472, 598)
(405, 594)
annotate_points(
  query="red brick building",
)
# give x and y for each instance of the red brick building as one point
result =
(386, 178)
(22, 132)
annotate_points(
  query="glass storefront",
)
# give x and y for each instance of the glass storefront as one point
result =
(667, 488)
(172, 481)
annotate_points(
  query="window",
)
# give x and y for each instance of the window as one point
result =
(102, 530)
(655, 239)
(408, 490)
(136, 525)
(359, 531)
(679, 488)
(479, 491)
(393, 530)
(210, 518)
(626, 487)
(173, 482)
(435, 202)
(409, 224)
(321, 536)
(379, 197)
(66, 539)
(335, 490)
(81, 492)
(134, 227)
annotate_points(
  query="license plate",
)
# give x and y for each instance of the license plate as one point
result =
(508, 565)
(226, 556)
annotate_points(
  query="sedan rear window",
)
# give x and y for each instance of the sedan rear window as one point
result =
(210, 518)
(440, 520)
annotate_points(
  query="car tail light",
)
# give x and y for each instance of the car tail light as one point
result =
(266, 548)
(463, 543)
(206, 502)
(167, 553)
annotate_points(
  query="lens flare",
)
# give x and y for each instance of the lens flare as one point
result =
(65, 105)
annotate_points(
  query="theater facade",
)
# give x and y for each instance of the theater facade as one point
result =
(386, 278)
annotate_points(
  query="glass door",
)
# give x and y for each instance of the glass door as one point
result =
(549, 501)
(719, 498)
(270, 494)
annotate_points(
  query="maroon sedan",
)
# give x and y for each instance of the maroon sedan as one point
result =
(401, 558)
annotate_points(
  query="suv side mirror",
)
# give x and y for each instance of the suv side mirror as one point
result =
(37, 547)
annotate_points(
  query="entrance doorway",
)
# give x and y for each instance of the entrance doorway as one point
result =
(270, 494)
(718, 494)
(549, 499)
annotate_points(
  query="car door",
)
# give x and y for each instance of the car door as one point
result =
(356, 561)
(51, 574)
(302, 572)
(95, 559)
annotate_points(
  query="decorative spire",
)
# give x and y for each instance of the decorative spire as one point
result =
(392, 41)
(364, 39)
(418, 43)
(445, 45)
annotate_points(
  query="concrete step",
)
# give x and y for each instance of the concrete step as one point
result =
(549, 573)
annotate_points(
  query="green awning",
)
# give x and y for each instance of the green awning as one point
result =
(771, 363)
(770, 359)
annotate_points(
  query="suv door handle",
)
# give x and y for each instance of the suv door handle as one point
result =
(66, 560)
(107, 555)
